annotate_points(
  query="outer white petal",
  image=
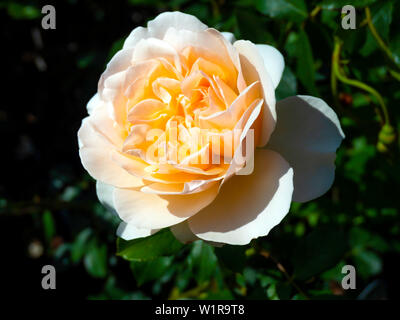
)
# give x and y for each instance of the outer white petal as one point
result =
(156, 28)
(111, 84)
(99, 130)
(125, 231)
(99, 164)
(274, 62)
(249, 206)
(155, 48)
(128, 231)
(229, 36)
(105, 194)
(177, 20)
(153, 211)
(182, 232)
(135, 36)
(307, 135)
(93, 103)
(120, 62)
(97, 137)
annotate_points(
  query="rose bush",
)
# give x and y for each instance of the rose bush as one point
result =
(179, 78)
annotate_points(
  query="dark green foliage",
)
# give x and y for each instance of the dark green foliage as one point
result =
(160, 244)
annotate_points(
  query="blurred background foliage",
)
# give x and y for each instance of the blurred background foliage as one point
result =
(49, 213)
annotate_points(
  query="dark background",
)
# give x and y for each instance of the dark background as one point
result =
(49, 213)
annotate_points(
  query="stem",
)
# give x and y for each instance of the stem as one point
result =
(378, 38)
(356, 83)
(334, 85)
(395, 74)
(315, 11)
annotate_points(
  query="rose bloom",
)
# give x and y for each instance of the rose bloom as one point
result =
(178, 82)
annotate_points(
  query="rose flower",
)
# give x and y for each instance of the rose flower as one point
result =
(184, 132)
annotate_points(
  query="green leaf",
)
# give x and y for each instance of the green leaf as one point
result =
(293, 10)
(381, 19)
(298, 47)
(368, 263)
(202, 261)
(360, 238)
(95, 260)
(80, 245)
(232, 257)
(84, 61)
(334, 273)
(338, 4)
(395, 47)
(149, 270)
(220, 295)
(330, 18)
(48, 226)
(353, 40)
(200, 10)
(162, 243)
(247, 22)
(250, 275)
(319, 251)
(20, 11)
(360, 154)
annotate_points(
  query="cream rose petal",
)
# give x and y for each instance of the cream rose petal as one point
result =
(128, 231)
(152, 211)
(307, 135)
(229, 36)
(104, 192)
(183, 233)
(156, 28)
(135, 36)
(98, 163)
(253, 68)
(228, 118)
(273, 61)
(248, 206)
(97, 138)
(99, 128)
(110, 87)
(177, 20)
(93, 103)
(155, 48)
(125, 231)
(119, 63)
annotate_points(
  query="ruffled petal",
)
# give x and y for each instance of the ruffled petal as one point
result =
(177, 20)
(145, 210)
(229, 36)
(307, 135)
(253, 68)
(98, 162)
(105, 194)
(128, 231)
(248, 206)
(274, 62)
